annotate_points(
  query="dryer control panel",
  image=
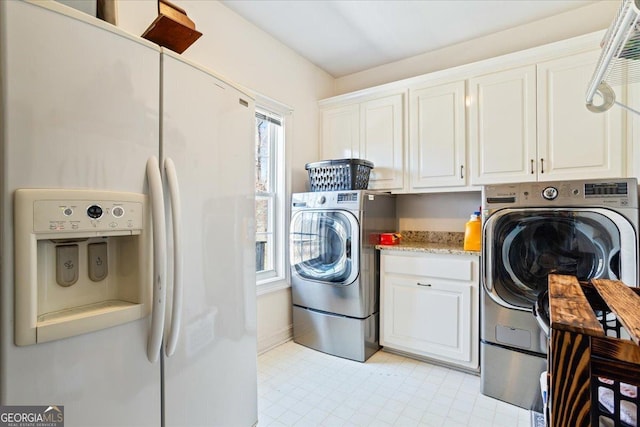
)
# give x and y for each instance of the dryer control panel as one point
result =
(611, 193)
(607, 189)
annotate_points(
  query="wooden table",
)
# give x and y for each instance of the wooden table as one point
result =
(582, 352)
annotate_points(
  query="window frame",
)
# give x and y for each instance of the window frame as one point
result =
(277, 278)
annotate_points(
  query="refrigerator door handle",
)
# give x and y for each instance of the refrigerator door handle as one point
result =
(176, 214)
(154, 342)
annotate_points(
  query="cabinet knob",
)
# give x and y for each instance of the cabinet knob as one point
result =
(424, 284)
(532, 162)
(541, 165)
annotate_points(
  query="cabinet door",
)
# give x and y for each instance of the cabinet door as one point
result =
(573, 142)
(340, 132)
(437, 136)
(502, 126)
(382, 138)
(427, 316)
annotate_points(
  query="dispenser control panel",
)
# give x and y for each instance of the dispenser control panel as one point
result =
(86, 215)
(83, 261)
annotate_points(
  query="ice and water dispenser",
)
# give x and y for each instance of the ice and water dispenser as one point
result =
(82, 262)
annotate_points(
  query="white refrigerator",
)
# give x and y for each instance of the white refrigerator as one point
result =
(85, 106)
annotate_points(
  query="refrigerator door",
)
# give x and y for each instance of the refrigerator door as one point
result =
(208, 133)
(79, 110)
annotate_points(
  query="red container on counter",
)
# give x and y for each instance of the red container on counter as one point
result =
(389, 238)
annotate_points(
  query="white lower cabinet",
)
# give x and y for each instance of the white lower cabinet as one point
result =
(430, 306)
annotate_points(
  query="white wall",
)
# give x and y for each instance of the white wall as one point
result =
(436, 212)
(562, 26)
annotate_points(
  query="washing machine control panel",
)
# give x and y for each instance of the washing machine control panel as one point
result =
(329, 199)
(612, 193)
(550, 193)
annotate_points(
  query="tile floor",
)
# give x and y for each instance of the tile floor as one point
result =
(301, 387)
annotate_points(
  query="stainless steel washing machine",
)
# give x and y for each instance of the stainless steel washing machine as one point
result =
(587, 228)
(335, 269)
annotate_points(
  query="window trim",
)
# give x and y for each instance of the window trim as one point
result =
(271, 194)
(278, 278)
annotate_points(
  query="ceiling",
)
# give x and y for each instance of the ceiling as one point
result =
(346, 36)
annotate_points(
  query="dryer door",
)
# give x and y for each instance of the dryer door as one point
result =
(323, 246)
(522, 246)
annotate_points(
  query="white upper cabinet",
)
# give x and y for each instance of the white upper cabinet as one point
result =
(340, 132)
(437, 136)
(515, 118)
(502, 126)
(531, 124)
(573, 142)
(382, 140)
(373, 130)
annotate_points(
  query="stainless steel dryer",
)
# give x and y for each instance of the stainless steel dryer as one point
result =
(584, 228)
(335, 269)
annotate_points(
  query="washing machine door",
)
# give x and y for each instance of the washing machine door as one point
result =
(522, 247)
(323, 246)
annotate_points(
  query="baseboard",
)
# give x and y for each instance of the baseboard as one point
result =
(431, 361)
(280, 337)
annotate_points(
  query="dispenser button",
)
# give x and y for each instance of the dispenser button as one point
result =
(98, 263)
(117, 211)
(66, 265)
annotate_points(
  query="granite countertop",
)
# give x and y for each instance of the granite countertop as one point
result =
(428, 247)
(438, 242)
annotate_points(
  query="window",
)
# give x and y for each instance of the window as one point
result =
(269, 195)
